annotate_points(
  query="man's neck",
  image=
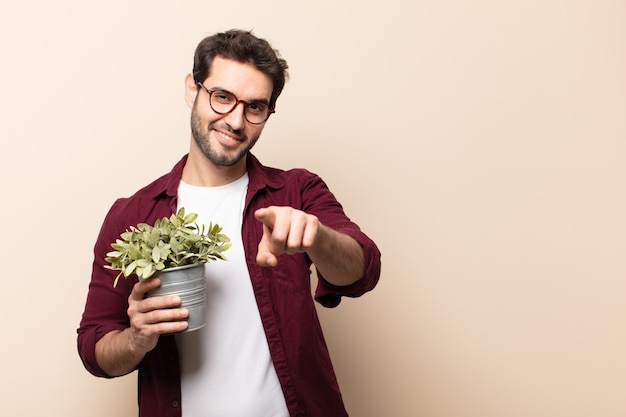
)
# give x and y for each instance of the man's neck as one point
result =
(201, 172)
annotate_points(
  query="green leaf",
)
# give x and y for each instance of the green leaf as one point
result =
(130, 268)
(190, 218)
(156, 254)
(117, 278)
(143, 263)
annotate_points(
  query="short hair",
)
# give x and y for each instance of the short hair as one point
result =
(241, 46)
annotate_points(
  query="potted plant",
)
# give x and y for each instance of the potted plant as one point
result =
(175, 249)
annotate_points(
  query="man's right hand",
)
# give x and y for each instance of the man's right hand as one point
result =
(153, 316)
(119, 352)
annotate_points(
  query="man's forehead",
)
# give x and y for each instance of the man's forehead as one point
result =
(241, 79)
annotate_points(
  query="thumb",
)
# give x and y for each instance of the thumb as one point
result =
(266, 216)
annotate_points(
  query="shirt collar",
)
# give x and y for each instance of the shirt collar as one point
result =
(260, 177)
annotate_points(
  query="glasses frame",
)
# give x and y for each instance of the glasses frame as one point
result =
(271, 109)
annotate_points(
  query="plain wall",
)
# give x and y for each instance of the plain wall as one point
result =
(481, 144)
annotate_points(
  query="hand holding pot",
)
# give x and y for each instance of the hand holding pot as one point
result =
(153, 316)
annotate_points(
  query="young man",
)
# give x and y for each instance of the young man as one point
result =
(262, 352)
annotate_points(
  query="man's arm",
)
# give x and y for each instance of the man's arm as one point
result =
(119, 352)
(338, 257)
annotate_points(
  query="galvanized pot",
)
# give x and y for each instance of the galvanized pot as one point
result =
(188, 282)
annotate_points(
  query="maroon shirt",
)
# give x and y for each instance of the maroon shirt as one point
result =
(283, 296)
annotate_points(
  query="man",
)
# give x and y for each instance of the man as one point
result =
(262, 352)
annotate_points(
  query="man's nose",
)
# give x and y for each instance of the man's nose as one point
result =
(236, 117)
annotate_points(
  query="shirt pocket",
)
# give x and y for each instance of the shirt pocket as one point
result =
(292, 274)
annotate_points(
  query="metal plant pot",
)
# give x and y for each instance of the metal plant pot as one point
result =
(189, 283)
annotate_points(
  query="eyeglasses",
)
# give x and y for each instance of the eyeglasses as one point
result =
(223, 102)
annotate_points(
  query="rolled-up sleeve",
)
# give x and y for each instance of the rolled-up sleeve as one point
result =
(319, 200)
(329, 295)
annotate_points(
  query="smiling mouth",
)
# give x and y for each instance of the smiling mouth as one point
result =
(227, 138)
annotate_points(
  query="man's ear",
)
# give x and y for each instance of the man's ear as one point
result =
(191, 90)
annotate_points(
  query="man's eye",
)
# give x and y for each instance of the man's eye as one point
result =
(257, 107)
(223, 97)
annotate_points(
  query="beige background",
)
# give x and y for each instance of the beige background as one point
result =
(481, 144)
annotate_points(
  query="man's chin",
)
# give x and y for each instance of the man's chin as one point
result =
(226, 160)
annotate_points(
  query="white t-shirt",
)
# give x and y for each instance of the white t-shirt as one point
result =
(226, 367)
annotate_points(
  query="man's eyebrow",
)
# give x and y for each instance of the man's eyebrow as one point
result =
(254, 100)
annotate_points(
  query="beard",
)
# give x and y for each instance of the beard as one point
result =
(215, 152)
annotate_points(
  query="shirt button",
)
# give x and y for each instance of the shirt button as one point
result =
(174, 403)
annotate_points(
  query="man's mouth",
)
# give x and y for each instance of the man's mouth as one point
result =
(228, 139)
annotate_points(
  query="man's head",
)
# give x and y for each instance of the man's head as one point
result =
(244, 47)
(232, 91)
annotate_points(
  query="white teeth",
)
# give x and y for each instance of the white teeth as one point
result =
(227, 137)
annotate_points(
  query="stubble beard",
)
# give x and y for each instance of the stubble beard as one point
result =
(201, 137)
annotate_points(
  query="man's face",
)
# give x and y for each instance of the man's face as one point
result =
(226, 138)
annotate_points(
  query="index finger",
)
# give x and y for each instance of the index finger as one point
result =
(143, 286)
(266, 215)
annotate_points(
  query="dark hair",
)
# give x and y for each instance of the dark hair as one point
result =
(244, 47)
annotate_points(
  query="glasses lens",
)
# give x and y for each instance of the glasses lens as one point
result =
(256, 112)
(223, 101)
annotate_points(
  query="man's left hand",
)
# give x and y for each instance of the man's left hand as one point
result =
(285, 230)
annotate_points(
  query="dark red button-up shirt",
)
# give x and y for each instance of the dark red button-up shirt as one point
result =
(283, 296)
